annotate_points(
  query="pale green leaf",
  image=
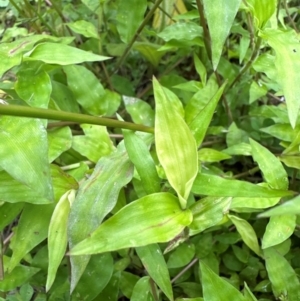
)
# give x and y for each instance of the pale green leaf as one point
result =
(220, 15)
(279, 229)
(87, 89)
(289, 207)
(247, 233)
(85, 28)
(217, 186)
(285, 283)
(61, 54)
(24, 153)
(96, 197)
(271, 167)
(57, 235)
(130, 14)
(211, 155)
(155, 264)
(287, 63)
(142, 290)
(171, 133)
(200, 123)
(151, 219)
(94, 144)
(140, 156)
(217, 289)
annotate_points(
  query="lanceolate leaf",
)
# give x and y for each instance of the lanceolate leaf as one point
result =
(200, 123)
(155, 264)
(215, 288)
(271, 167)
(57, 235)
(24, 153)
(287, 63)
(247, 233)
(140, 156)
(95, 199)
(217, 186)
(285, 283)
(151, 219)
(61, 54)
(130, 15)
(175, 145)
(220, 15)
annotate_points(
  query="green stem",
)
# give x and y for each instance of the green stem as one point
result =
(139, 30)
(22, 111)
(248, 65)
(203, 23)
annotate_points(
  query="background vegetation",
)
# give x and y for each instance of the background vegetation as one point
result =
(169, 197)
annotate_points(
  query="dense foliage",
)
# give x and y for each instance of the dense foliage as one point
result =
(142, 146)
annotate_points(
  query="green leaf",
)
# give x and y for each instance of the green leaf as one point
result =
(85, 28)
(94, 144)
(32, 229)
(139, 110)
(151, 219)
(111, 291)
(262, 11)
(171, 133)
(87, 89)
(130, 15)
(96, 276)
(279, 228)
(181, 256)
(271, 167)
(96, 197)
(154, 262)
(19, 276)
(205, 184)
(33, 85)
(211, 155)
(24, 153)
(200, 123)
(142, 290)
(61, 54)
(287, 63)
(181, 31)
(254, 203)
(59, 141)
(208, 212)
(285, 283)
(247, 233)
(140, 156)
(8, 212)
(57, 235)
(289, 207)
(200, 68)
(282, 131)
(220, 15)
(217, 289)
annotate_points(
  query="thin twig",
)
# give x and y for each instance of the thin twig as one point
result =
(247, 173)
(289, 16)
(139, 30)
(194, 261)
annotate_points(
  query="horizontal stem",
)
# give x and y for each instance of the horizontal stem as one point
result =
(22, 111)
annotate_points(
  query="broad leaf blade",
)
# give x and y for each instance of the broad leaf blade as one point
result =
(61, 54)
(215, 288)
(271, 167)
(247, 233)
(155, 264)
(220, 15)
(24, 153)
(217, 186)
(57, 235)
(287, 63)
(130, 14)
(95, 199)
(151, 219)
(171, 134)
(285, 283)
(140, 156)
